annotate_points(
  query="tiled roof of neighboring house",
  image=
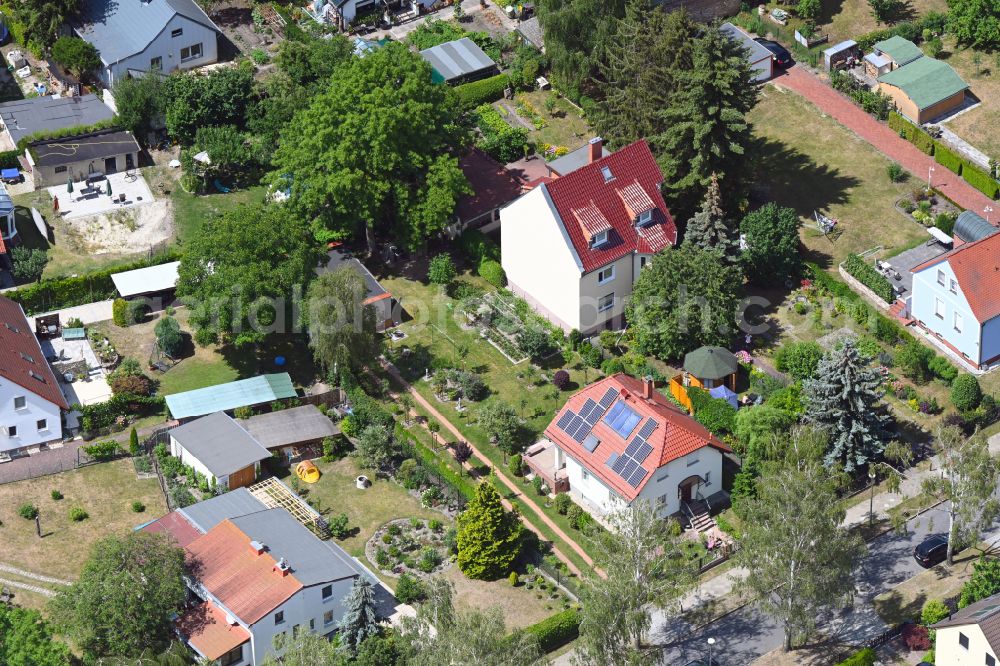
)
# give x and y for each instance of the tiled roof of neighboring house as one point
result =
(492, 185)
(247, 584)
(756, 50)
(219, 443)
(457, 59)
(985, 613)
(25, 117)
(977, 268)
(122, 28)
(177, 526)
(207, 630)
(900, 49)
(222, 397)
(288, 427)
(93, 146)
(207, 514)
(675, 435)
(21, 357)
(575, 159)
(312, 561)
(601, 187)
(926, 81)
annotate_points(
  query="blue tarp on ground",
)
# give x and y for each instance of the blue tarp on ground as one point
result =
(726, 394)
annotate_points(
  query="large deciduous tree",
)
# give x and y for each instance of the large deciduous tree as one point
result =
(845, 401)
(710, 229)
(975, 22)
(220, 98)
(641, 555)
(799, 558)
(771, 245)
(577, 32)
(376, 148)
(126, 596)
(242, 271)
(489, 536)
(26, 640)
(141, 103)
(684, 298)
(376, 447)
(342, 329)
(968, 479)
(76, 55)
(40, 20)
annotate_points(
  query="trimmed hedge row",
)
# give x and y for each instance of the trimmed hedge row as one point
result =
(483, 91)
(555, 631)
(66, 292)
(921, 139)
(948, 159)
(868, 276)
(980, 180)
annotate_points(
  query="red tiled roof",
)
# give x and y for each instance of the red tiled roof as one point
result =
(21, 358)
(208, 631)
(676, 434)
(977, 268)
(492, 185)
(177, 526)
(635, 181)
(244, 582)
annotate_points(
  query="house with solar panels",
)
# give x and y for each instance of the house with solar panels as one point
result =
(620, 441)
(573, 246)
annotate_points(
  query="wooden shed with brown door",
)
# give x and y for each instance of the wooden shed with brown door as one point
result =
(219, 449)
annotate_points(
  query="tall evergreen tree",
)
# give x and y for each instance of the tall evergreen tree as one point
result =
(489, 536)
(360, 619)
(706, 130)
(844, 400)
(709, 229)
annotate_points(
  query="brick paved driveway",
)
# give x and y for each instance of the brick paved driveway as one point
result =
(886, 141)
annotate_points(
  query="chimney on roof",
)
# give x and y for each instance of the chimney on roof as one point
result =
(257, 547)
(596, 148)
(282, 567)
(647, 387)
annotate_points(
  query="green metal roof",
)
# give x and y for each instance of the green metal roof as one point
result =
(223, 397)
(710, 363)
(926, 81)
(901, 50)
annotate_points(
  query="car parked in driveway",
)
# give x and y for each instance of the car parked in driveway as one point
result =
(932, 550)
(782, 57)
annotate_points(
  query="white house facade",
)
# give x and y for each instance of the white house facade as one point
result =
(970, 636)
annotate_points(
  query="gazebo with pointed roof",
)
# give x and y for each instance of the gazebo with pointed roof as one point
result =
(712, 366)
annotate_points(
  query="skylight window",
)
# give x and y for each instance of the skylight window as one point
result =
(608, 176)
(622, 419)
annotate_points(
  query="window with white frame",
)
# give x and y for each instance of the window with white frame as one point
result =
(279, 617)
(599, 239)
(43, 425)
(191, 52)
(708, 478)
(327, 592)
(327, 618)
(957, 322)
(953, 287)
(661, 500)
(606, 275)
(606, 302)
(940, 277)
(939, 308)
(585, 474)
(177, 33)
(963, 640)
(156, 64)
(642, 262)
(12, 431)
(20, 402)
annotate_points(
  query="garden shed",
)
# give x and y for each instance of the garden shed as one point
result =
(839, 54)
(225, 397)
(290, 429)
(151, 280)
(220, 449)
(459, 61)
(388, 311)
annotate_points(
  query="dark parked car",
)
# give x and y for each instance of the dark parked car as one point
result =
(932, 550)
(781, 55)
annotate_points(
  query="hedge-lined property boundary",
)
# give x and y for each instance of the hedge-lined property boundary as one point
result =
(867, 275)
(483, 91)
(555, 631)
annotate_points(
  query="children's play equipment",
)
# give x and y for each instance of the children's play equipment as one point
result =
(307, 471)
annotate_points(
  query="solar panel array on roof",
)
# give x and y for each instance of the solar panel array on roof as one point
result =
(578, 426)
(622, 419)
(629, 464)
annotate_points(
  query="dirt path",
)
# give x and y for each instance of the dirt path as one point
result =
(844, 111)
(44, 591)
(391, 369)
(27, 574)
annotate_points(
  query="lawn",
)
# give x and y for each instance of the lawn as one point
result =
(564, 124)
(846, 19)
(810, 162)
(979, 126)
(106, 491)
(905, 601)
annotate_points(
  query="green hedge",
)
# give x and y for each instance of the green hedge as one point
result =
(66, 292)
(555, 631)
(430, 460)
(868, 276)
(947, 158)
(104, 414)
(921, 139)
(865, 657)
(483, 91)
(8, 159)
(980, 180)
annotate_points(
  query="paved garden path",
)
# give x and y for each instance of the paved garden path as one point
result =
(391, 369)
(878, 134)
(27, 574)
(44, 591)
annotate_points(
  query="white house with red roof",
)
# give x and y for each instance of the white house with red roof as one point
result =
(620, 441)
(31, 402)
(956, 300)
(573, 246)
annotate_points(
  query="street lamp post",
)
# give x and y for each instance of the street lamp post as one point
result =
(871, 500)
(711, 643)
(930, 170)
(988, 210)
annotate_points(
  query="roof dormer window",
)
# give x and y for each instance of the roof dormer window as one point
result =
(644, 219)
(599, 239)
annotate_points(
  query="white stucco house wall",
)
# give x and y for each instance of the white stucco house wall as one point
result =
(573, 246)
(31, 401)
(971, 636)
(956, 299)
(139, 36)
(618, 441)
(220, 449)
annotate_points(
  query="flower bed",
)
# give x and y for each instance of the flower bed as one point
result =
(415, 546)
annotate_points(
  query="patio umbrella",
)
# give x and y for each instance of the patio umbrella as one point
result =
(69, 185)
(109, 188)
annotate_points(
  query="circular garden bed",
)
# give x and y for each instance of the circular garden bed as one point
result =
(415, 546)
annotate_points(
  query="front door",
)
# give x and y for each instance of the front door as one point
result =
(110, 165)
(686, 492)
(129, 162)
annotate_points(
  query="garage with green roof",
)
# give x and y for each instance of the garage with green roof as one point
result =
(924, 89)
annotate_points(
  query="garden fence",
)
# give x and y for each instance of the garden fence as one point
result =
(562, 579)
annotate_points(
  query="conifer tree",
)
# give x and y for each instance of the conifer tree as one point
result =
(710, 230)
(360, 619)
(844, 400)
(489, 537)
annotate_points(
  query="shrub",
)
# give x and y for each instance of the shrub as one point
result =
(102, 450)
(895, 172)
(717, 415)
(516, 464)
(56, 495)
(942, 369)
(563, 503)
(492, 272)
(441, 270)
(865, 657)
(130, 384)
(119, 312)
(560, 380)
(434, 524)
(138, 507)
(980, 180)
(77, 514)
(945, 222)
(168, 336)
(916, 637)
(799, 359)
(476, 246)
(483, 91)
(948, 159)
(28, 511)
(871, 278)
(338, 526)
(513, 579)
(409, 589)
(934, 611)
(965, 392)
(29, 263)
(555, 631)
(573, 514)
(914, 360)
(133, 443)
(431, 496)
(502, 141)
